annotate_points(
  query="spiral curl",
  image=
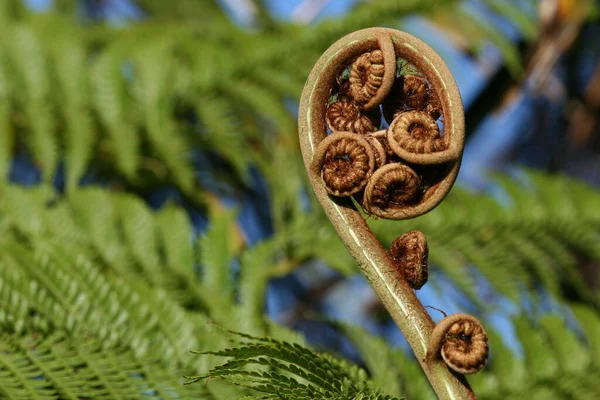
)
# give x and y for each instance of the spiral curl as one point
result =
(411, 92)
(345, 161)
(410, 253)
(366, 76)
(462, 343)
(378, 148)
(415, 132)
(433, 106)
(391, 189)
(344, 115)
(419, 96)
(381, 137)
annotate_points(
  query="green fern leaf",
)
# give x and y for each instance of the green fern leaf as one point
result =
(153, 71)
(293, 372)
(111, 100)
(215, 256)
(70, 60)
(7, 135)
(590, 323)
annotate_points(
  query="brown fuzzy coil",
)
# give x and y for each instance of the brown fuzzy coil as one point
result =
(410, 253)
(381, 137)
(415, 132)
(412, 92)
(345, 162)
(344, 115)
(366, 76)
(461, 341)
(391, 189)
(433, 106)
(419, 96)
(378, 148)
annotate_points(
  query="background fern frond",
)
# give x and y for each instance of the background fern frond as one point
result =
(113, 105)
(29, 61)
(58, 366)
(556, 363)
(293, 372)
(70, 59)
(391, 370)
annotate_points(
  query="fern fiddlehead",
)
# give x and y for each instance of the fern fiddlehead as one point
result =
(461, 341)
(345, 115)
(413, 133)
(410, 253)
(379, 150)
(422, 149)
(345, 162)
(391, 189)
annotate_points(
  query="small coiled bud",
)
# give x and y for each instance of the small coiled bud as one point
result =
(415, 90)
(409, 253)
(345, 162)
(366, 76)
(419, 96)
(433, 106)
(381, 137)
(391, 189)
(344, 115)
(378, 148)
(414, 132)
(411, 92)
(461, 341)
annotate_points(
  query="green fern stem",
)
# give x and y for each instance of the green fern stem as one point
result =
(395, 293)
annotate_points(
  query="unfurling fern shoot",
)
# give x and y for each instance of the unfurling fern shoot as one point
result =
(398, 172)
(461, 341)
